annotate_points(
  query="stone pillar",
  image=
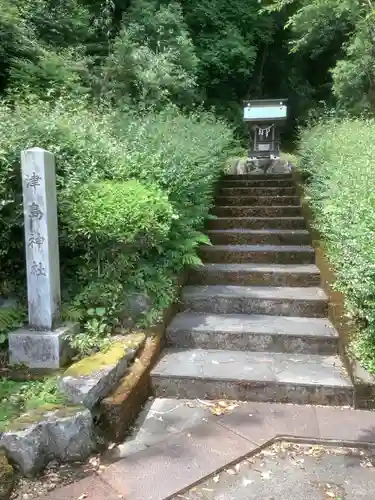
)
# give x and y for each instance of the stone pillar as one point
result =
(42, 344)
(41, 238)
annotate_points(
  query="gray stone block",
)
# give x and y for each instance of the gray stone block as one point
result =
(255, 274)
(92, 378)
(279, 167)
(275, 254)
(254, 182)
(41, 349)
(137, 305)
(253, 333)
(274, 301)
(252, 376)
(41, 238)
(257, 223)
(35, 439)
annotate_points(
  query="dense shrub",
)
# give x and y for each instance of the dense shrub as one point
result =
(153, 58)
(133, 192)
(338, 158)
(115, 215)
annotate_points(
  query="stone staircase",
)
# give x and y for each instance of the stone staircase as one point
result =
(253, 323)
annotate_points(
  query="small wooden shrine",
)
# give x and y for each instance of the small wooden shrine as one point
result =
(265, 120)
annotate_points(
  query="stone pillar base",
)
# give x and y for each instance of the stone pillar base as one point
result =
(41, 349)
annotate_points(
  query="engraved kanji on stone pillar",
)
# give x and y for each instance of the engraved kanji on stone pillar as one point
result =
(41, 237)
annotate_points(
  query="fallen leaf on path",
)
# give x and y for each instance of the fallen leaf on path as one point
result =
(231, 472)
(266, 475)
(246, 482)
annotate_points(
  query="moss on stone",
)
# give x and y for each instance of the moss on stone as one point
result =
(20, 398)
(40, 414)
(139, 366)
(6, 477)
(112, 355)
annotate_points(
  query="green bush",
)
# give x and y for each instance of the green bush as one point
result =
(133, 193)
(116, 215)
(337, 158)
(153, 59)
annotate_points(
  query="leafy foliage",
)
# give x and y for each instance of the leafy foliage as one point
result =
(41, 44)
(117, 89)
(337, 157)
(132, 198)
(19, 397)
(99, 218)
(10, 319)
(346, 28)
(95, 334)
(152, 59)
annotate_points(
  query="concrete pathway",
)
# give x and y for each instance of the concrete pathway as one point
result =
(179, 443)
(292, 472)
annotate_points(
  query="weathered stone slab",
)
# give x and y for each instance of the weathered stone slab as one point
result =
(253, 333)
(274, 301)
(257, 191)
(252, 376)
(41, 349)
(257, 223)
(121, 407)
(36, 438)
(255, 182)
(159, 419)
(138, 304)
(255, 274)
(279, 167)
(364, 386)
(273, 254)
(41, 238)
(258, 166)
(91, 379)
(260, 199)
(256, 211)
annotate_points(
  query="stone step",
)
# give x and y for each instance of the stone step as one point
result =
(253, 333)
(257, 177)
(257, 191)
(257, 200)
(259, 237)
(256, 223)
(274, 301)
(277, 254)
(252, 376)
(257, 211)
(255, 274)
(258, 183)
